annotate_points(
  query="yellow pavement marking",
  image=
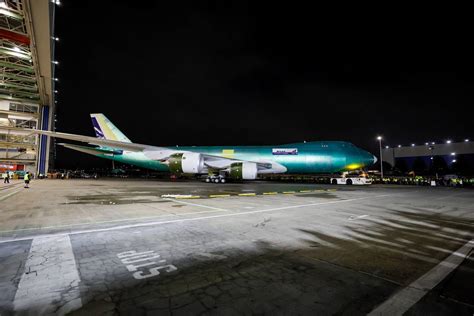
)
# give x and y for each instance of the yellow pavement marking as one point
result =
(177, 196)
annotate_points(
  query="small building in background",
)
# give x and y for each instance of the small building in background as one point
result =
(431, 158)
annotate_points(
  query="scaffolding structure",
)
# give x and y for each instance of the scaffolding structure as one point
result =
(27, 82)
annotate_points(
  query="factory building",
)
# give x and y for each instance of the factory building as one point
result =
(456, 157)
(27, 83)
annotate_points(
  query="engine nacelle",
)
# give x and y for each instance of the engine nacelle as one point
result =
(243, 170)
(186, 163)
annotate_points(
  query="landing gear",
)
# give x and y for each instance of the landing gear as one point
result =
(215, 179)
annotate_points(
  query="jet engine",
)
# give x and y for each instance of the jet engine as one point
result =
(186, 163)
(243, 170)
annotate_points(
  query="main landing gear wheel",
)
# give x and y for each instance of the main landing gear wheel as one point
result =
(216, 179)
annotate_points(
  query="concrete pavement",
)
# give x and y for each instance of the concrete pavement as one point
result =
(118, 247)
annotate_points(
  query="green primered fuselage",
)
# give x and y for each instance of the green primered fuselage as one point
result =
(309, 157)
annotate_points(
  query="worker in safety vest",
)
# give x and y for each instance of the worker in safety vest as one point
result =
(27, 178)
(6, 177)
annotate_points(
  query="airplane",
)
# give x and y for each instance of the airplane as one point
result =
(219, 163)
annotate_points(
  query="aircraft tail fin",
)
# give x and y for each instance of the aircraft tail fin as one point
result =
(105, 129)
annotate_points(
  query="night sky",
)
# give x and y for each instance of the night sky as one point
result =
(239, 74)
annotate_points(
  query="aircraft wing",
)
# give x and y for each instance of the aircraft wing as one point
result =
(211, 161)
(218, 162)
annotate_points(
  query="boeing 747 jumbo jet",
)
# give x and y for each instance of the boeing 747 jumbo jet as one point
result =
(219, 162)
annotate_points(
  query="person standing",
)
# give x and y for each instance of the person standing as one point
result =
(6, 177)
(27, 178)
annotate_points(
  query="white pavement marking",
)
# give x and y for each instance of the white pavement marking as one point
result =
(195, 218)
(358, 217)
(10, 194)
(50, 284)
(403, 300)
(99, 222)
(198, 205)
(9, 187)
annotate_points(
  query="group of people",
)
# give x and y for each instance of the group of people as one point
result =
(428, 181)
(26, 178)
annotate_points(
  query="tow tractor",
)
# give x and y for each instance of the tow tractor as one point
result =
(352, 179)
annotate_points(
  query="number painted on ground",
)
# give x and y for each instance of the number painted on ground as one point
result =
(134, 260)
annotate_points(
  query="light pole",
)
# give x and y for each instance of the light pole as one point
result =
(380, 147)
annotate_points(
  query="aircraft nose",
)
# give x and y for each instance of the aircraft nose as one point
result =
(368, 158)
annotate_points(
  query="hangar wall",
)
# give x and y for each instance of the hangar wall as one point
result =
(449, 152)
(27, 83)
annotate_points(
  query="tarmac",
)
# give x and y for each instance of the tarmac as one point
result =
(139, 247)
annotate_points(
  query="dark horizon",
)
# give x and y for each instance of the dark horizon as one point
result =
(226, 74)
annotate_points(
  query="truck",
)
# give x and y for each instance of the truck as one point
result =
(352, 179)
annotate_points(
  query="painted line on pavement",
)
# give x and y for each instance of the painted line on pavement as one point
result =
(200, 205)
(358, 217)
(188, 197)
(197, 218)
(9, 187)
(50, 278)
(233, 194)
(103, 222)
(10, 194)
(219, 195)
(403, 300)
(180, 196)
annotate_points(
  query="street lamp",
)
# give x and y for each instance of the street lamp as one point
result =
(379, 138)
